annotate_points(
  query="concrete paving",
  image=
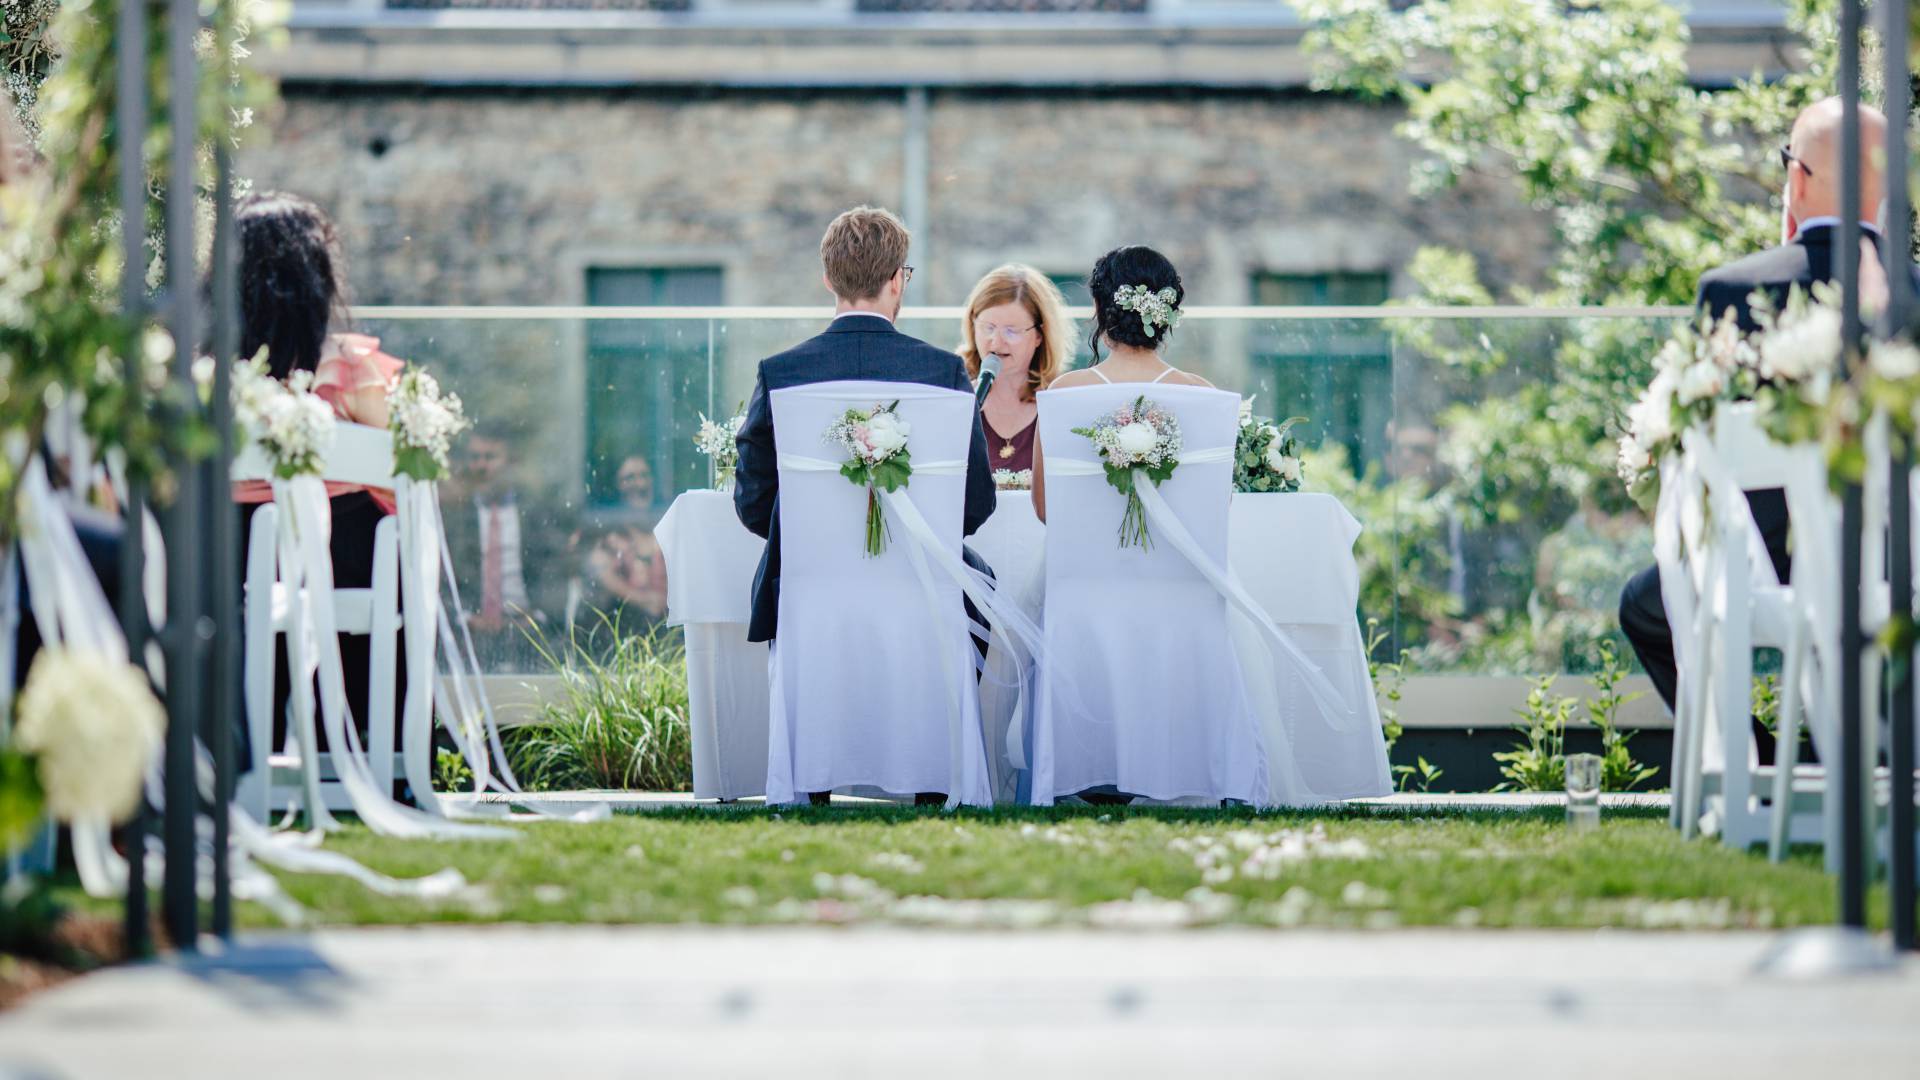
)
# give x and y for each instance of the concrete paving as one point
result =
(595, 1002)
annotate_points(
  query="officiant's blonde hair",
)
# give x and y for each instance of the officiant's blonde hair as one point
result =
(1016, 283)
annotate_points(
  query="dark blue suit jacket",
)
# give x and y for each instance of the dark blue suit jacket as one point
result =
(853, 347)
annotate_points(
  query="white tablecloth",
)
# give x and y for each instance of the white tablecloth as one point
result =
(1294, 554)
(711, 558)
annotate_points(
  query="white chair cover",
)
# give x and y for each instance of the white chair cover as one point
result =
(872, 670)
(1140, 688)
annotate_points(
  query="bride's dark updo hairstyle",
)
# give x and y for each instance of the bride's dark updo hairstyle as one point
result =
(1123, 266)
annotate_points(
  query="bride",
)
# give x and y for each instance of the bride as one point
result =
(1133, 357)
(1232, 713)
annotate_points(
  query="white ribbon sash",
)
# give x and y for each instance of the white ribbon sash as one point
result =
(1167, 525)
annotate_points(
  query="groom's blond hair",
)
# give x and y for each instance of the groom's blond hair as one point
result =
(862, 249)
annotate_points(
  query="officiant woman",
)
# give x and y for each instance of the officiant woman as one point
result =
(1018, 315)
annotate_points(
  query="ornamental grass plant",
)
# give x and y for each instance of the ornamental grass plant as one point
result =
(618, 720)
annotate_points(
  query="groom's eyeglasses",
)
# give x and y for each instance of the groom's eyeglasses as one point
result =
(985, 331)
(1788, 160)
(906, 273)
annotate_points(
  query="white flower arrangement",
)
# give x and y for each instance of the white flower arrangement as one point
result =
(1136, 441)
(424, 422)
(1013, 479)
(876, 439)
(717, 441)
(289, 422)
(1266, 455)
(1701, 366)
(1156, 309)
(93, 728)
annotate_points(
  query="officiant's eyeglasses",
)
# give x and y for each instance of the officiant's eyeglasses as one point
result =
(986, 331)
(1787, 160)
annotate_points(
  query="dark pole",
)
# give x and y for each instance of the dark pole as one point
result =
(1853, 893)
(1893, 249)
(130, 126)
(224, 600)
(183, 541)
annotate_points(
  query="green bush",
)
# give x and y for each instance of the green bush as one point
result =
(619, 720)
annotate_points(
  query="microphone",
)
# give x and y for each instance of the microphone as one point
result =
(989, 371)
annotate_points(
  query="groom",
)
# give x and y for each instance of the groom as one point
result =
(864, 254)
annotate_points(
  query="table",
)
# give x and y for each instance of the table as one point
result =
(711, 559)
(1294, 554)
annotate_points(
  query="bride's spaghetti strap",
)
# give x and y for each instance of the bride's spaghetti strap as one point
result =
(1102, 375)
(1171, 370)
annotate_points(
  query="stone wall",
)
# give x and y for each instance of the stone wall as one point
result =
(504, 197)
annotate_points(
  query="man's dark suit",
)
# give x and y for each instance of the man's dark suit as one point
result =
(853, 347)
(1803, 262)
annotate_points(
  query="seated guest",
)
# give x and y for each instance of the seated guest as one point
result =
(291, 296)
(1810, 228)
(622, 580)
(503, 548)
(1017, 315)
(637, 492)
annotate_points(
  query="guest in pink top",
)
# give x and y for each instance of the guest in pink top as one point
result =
(291, 296)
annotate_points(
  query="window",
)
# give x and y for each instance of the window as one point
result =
(1336, 372)
(647, 379)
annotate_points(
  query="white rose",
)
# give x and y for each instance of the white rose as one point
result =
(1894, 361)
(1701, 381)
(1137, 440)
(1651, 418)
(1806, 347)
(1634, 458)
(1290, 469)
(888, 433)
(1276, 456)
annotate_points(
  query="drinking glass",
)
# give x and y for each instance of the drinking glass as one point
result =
(1583, 791)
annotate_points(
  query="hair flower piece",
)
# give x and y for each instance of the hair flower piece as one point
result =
(1156, 309)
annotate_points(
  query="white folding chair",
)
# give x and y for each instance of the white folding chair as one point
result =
(872, 668)
(360, 455)
(1141, 688)
(1739, 604)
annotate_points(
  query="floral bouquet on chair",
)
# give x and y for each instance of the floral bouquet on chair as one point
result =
(423, 422)
(877, 439)
(717, 442)
(1266, 456)
(1136, 441)
(290, 423)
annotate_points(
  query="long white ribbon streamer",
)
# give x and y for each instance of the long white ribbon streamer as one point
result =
(307, 569)
(1168, 526)
(426, 572)
(73, 612)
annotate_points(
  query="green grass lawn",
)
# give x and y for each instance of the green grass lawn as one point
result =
(1104, 867)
